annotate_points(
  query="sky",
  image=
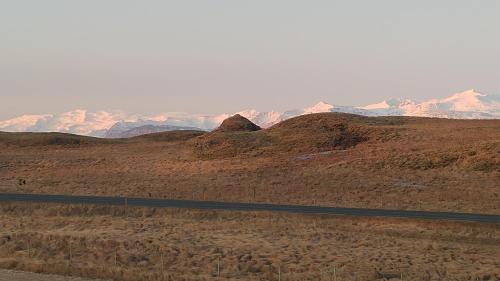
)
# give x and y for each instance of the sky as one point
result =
(219, 56)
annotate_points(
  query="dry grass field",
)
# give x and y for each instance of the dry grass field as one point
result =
(327, 159)
(11, 275)
(169, 244)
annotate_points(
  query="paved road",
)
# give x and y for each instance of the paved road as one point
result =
(211, 205)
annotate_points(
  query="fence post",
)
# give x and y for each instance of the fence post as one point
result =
(70, 253)
(29, 248)
(126, 206)
(218, 266)
(279, 272)
(334, 274)
(162, 269)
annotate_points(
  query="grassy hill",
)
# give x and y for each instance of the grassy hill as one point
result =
(309, 133)
(43, 139)
(329, 159)
(63, 139)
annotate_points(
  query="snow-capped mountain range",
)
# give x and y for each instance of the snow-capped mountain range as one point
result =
(466, 105)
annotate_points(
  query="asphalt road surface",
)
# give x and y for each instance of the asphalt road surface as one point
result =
(232, 206)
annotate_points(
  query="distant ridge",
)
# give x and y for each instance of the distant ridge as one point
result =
(145, 129)
(470, 104)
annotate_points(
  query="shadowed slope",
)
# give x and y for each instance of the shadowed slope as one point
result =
(43, 139)
(170, 136)
(54, 139)
(307, 133)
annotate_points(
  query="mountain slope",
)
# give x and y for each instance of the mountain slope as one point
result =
(466, 105)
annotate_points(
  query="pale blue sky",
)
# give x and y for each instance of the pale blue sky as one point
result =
(227, 55)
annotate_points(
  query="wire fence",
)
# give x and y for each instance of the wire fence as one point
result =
(124, 260)
(99, 255)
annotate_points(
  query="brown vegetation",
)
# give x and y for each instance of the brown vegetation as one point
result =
(237, 123)
(167, 244)
(328, 159)
(305, 134)
(172, 136)
(46, 139)
(324, 159)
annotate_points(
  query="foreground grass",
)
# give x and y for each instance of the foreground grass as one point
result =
(168, 244)
(11, 275)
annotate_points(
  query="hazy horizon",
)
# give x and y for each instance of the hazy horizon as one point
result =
(224, 56)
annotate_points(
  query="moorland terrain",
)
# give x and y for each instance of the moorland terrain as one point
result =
(330, 159)
(326, 159)
(132, 244)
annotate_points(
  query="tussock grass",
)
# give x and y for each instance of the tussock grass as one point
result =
(114, 243)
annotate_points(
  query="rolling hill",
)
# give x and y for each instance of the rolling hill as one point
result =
(325, 158)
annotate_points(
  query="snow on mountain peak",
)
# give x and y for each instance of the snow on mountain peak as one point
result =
(471, 92)
(22, 123)
(469, 104)
(380, 105)
(318, 108)
(78, 121)
(263, 119)
(390, 103)
(468, 101)
(470, 96)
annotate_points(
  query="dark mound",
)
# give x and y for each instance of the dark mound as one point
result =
(304, 134)
(43, 139)
(237, 123)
